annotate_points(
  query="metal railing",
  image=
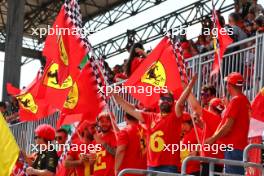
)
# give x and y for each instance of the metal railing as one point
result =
(244, 56)
(144, 172)
(213, 161)
(24, 131)
(248, 148)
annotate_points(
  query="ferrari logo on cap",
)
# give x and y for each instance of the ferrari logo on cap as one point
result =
(72, 98)
(63, 52)
(155, 76)
(27, 102)
(51, 78)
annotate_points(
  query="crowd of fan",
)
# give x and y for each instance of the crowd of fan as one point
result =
(146, 140)
(139, 145)
(9, 110)
(246, 21)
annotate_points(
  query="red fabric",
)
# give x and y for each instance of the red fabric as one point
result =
(135, 157)
(18, 169)
(65, 119)
(119, 77)
(104, 165)
(75, 154)
(72, 44)
(254, 156)
(30, 106)
(211, 122)
(190, 138)
(89, 103)
(257, 106)
(224, 41)
(135, 64)
(165, 55)
(160, 131)
(55, 96)
(12, 90)
(238, 109)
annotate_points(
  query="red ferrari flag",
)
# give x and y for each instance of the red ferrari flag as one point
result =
(257, 106)
(51, 90)
(66, 44)
(30, 107)
(223, 41)
(83, 98)
(158, 72)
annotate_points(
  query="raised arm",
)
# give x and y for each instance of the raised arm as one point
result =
(195, 105)
(130, 109)
(180, 103)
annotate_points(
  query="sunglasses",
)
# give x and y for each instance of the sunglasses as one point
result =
(58, 138)
(36, 137)
(168, 99)
(205, 94)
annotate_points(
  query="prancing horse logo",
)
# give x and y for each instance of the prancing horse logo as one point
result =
(156, 75)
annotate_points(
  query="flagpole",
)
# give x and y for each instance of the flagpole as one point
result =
(193, 122)
(218, 54)
(106, 83)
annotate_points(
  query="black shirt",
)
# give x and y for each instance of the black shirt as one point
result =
(46, 160)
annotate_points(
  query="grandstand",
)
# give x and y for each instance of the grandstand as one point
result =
(244, 56)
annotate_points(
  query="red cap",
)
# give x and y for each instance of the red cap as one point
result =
(85, 125)
(46, 132)
(217, 104)
(186, 117)
(235, 78)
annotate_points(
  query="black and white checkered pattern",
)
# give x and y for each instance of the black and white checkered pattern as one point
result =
(180, 60)
(74, 19)
(100, 81)
(72, 9)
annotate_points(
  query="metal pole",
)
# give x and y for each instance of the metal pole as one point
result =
(13, 45)
(256, 63)
(262, 63)
(211, 169)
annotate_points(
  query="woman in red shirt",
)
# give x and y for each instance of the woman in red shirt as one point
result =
(136, 56)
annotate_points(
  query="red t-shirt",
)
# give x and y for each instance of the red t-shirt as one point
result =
(135, 64)
(162, 131)
(190, 138)
(133, 137)
(239, 110)
(211, 122)
(75, 152)
(105, 162)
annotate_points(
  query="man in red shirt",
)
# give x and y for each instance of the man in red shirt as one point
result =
(105, 136)
(235, 121)
(78, 162)
(163, 132)
(193, 167)
(130, 146)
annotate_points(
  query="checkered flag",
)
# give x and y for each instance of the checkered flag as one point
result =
(180, 60)
(74, 18)
(99, 77)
